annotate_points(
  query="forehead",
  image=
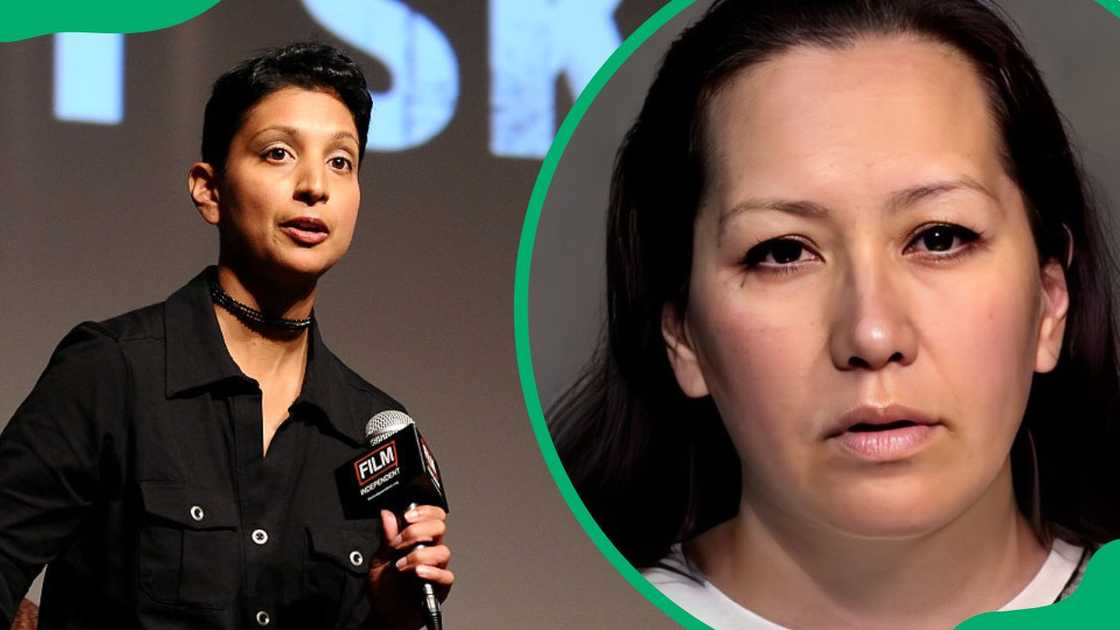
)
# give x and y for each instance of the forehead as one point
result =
(878, 112)
(298, 108)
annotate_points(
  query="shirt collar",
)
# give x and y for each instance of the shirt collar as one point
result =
(328, 388)
(196, 354)
(196, 357)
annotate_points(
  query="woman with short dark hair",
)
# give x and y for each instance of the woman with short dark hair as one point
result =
(174, 466)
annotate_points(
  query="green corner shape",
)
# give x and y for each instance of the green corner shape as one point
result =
(1091, 606)
(1112, 6)
(24, 19)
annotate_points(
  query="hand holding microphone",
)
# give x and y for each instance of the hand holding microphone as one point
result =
(392, 478)
(420, 539)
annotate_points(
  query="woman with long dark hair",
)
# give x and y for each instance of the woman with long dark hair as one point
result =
(860, 357)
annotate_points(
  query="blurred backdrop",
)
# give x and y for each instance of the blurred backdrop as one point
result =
(97, 132)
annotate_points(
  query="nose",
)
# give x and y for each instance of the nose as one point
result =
(311, 185)
(872, 325)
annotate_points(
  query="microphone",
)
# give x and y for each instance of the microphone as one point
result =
(397, 473)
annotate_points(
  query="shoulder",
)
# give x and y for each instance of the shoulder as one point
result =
(362, 388)
(136, 325)
(99, 345)
(98, 350)
(86, 382)
(89, 344)
(683, 582)
(674, 568)
(362, 395)
(1076, 556)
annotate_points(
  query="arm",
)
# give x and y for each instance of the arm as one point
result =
(51, 455)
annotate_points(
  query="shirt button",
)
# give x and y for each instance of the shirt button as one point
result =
(356, 558)
(260, 536)
(262, 618)
(197, 513)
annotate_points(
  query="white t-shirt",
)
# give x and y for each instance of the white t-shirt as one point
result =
(1058, 576)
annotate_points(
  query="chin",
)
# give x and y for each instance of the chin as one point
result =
(890, 526)
(305, 264)
(896, 509)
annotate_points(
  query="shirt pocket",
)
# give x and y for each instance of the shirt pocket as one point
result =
(189, 551)
(337, 566)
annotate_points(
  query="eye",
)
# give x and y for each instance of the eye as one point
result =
(943, 239)
(341, 163)
(276, 154)
(778, 254)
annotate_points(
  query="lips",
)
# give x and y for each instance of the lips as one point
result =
(887, 433)
(305, 231)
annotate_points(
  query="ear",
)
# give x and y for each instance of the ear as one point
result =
(1052, 327)
(682, 353)
(202, 184)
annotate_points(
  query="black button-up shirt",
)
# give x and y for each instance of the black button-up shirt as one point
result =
(135, 469)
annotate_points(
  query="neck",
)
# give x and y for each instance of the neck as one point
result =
(803, 575)
(261, 350)
(291, 299)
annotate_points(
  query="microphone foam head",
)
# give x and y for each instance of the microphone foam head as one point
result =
(386, 423)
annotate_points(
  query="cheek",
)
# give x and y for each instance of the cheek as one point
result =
(347, 218)
(351, 215)
(758, 358)
(248, 207)
(982, 340)
(997, 329)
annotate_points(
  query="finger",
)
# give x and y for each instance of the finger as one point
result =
(437, 556)
(389, 525)
(439, 577)
(422, 532)
(424, 513)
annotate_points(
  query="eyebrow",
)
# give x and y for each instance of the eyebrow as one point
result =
(292, 131)
(899, 200)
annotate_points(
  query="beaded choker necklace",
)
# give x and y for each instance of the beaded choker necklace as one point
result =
(250, 315)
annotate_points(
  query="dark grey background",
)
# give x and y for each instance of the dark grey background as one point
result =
(1076, 45)
(97, 221)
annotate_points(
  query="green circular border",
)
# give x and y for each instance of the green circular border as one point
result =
(521, 312)
(1106, 571)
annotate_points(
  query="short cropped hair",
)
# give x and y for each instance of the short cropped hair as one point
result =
(308, 65)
